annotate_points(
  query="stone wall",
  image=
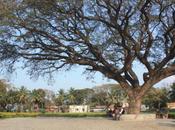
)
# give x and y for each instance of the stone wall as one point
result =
(140, 117)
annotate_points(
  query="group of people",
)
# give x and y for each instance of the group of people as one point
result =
(116, 112)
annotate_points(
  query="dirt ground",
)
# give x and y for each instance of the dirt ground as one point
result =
(83, 124)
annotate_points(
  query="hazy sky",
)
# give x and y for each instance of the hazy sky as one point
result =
(74, 78)
(64, 79)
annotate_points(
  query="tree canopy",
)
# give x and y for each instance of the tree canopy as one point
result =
(109, 36)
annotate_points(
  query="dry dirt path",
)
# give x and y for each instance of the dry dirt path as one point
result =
(83, 124)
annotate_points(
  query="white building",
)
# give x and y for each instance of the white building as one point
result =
(171, 105)
(79, 108)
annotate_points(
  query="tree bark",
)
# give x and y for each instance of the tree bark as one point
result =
(134, 105)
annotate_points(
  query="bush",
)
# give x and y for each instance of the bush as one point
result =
(171, 115)
(27, 114)
(172, 110)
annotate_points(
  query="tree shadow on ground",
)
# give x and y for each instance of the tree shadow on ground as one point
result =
(169, 123)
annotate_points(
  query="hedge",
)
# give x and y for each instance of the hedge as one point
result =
(72, 114)
(171, 115)
(17, 114)
(27, 114)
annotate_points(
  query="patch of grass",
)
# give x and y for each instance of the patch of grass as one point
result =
(17, 114)
(90, 114)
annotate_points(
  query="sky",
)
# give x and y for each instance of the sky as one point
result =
(73, 78)
(64, 79)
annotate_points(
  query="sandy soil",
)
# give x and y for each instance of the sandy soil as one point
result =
(83, 124)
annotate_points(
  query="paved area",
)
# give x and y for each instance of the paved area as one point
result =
(83, 124)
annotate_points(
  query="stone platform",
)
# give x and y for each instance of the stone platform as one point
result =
(139, 117)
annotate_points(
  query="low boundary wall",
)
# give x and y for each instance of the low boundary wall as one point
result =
(141, 117)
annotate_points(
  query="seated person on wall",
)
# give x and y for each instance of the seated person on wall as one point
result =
(118, 111)
(109, 112)
(162, 113)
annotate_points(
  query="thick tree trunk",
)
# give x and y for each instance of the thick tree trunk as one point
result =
(134, 105)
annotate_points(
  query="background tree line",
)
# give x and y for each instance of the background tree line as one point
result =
(23, 99)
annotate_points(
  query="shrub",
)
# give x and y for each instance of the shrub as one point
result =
(171, 115)
(27, 114)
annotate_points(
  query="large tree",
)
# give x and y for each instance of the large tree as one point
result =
(109, 36)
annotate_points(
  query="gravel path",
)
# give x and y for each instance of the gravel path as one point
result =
(83, 124)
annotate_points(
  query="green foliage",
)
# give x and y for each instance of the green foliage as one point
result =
(83, 96)
(38, 97)
(172, 93)
(156, 98)
(19, 114)
(171, 115)
(71, 96)
(108, 94)
(60, 97)
(3, 94)
(14, 99)
(74, 96)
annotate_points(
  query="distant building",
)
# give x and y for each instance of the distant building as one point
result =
(79, 108)
(171, 105)
(144, 107)
(98, 109)
(52, 108)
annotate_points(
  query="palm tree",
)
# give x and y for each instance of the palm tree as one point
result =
(71, 96)
(38, 98)
(23, 96)
(60, 98)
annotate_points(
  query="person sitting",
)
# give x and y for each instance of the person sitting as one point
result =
(110, 112)
(119, 113)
